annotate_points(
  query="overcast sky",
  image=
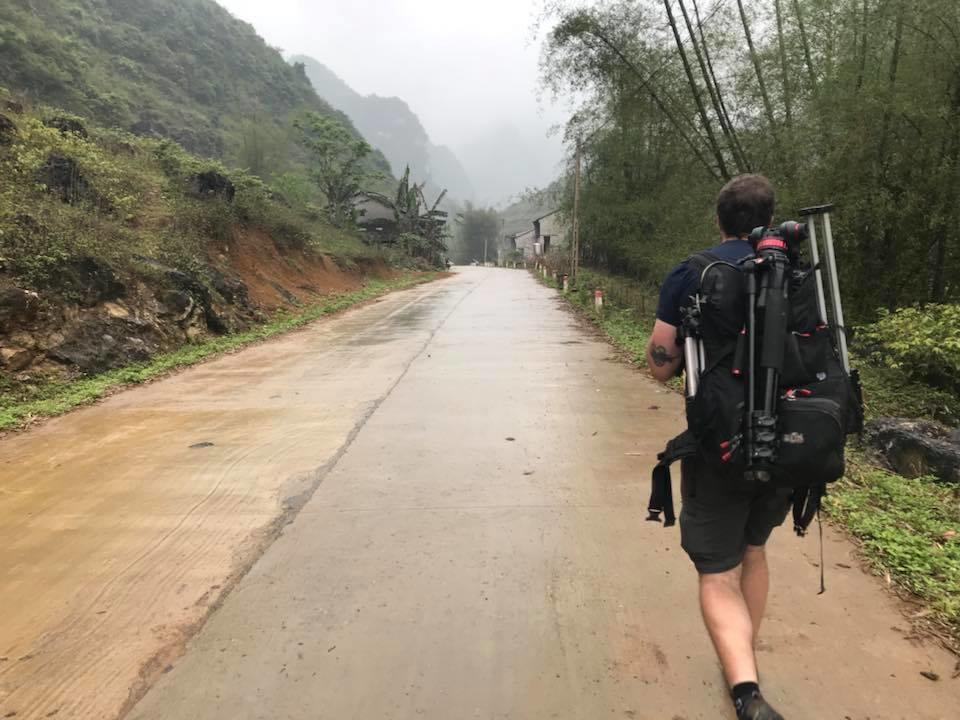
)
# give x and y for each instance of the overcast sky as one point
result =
(466, 68)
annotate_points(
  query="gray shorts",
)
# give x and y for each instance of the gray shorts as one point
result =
(718, 520)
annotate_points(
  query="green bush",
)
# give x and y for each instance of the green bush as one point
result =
(908, 529)
(136, 204)
(923, 343)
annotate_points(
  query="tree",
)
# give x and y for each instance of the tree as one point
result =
(859, 107)
(420, 226)
(337, 165)
(479, 228)
(263, 149)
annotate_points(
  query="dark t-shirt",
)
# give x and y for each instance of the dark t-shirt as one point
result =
(682, 281)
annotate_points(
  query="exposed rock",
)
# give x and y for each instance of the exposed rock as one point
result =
(95, 344)
(67, 125)
(8, 130)
(231, 289)
(211, 184)
(88, 281)
(14, 359)
(62, 176)
(177, 304)
(116, 311)
(917, 447)
(17, 308)
(201, 295)
(22, 339)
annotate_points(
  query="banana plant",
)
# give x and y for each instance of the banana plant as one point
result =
(414, 215)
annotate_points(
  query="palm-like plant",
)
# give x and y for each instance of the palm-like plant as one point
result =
(415, 217)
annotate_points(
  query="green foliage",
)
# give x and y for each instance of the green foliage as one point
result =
(420, 228)
(22, 406)
(890, 393)
(923, 343)
(336, 164)
(264, 149)
(862, 108)
(479, 229)
(294, 189)
(135, 204)
(186, 70)
(908, 528)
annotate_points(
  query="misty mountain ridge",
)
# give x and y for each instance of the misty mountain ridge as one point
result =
(392, 127)
(506, 159)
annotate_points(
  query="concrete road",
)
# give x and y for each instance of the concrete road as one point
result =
(442, 495)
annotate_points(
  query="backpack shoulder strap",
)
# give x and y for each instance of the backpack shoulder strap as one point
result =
(661, 493)
(698, 262)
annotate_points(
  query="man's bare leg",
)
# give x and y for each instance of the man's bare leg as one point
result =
(755, 584)
(728, 620)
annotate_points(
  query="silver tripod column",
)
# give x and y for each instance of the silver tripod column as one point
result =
(836, 304)
(693, 352)
(691, 356)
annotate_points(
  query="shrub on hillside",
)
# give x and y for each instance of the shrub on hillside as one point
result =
(924, 343)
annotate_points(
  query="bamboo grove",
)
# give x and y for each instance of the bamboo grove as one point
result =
(855, 102)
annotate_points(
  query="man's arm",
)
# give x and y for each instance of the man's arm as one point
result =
(663, 354)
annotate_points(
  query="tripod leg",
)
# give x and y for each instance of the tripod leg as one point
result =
(815, 257)
(691, 355)
(751, 364)
(835, 292)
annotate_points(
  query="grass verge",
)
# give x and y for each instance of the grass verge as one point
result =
(57, 398)
(908, 529)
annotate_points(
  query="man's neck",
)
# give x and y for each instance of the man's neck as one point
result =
(729, 239)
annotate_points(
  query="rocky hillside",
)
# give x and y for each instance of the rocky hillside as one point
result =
(389, 124)
(115, 247)
(180, 69)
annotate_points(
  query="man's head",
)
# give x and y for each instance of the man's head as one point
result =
(745, 203)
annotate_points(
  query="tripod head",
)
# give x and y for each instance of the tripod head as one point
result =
(785, 239)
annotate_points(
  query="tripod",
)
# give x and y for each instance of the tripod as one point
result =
(768, 275)
(768, 291)
(768, 294)
(835, 319)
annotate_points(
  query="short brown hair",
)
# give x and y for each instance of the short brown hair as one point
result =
(745, 203)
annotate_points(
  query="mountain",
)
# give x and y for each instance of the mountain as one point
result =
(390, 125)
(181, 69)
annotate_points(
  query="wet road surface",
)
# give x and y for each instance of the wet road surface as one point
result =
(442, 497)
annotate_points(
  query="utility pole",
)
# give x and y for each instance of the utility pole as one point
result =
(575, 260)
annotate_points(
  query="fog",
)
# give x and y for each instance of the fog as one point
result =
(467, 69)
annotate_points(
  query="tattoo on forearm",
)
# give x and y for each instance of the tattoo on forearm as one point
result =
(660, 355)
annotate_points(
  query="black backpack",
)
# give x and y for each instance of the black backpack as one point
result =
(819, 401)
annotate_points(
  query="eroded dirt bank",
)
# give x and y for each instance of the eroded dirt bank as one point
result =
(93, 318)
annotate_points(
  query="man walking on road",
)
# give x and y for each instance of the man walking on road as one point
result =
(724, 528)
